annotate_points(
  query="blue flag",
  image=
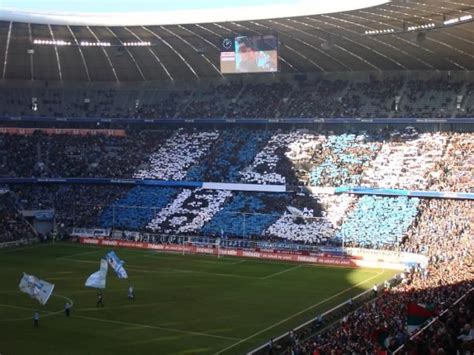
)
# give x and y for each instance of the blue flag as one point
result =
(36, 288)
(116, 264)
(98, 278)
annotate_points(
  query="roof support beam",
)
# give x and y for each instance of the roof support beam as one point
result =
(6, 50)
(129, 53)
(105, 53)
(397, 48)
(57, 54)
(391, 18)
(31, 54)
(174, 51)
(153, 54)
(306, 43)
(194, 48)
(80, 52)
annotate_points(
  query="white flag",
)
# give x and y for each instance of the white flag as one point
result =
(98, 278)
(116, 264)
(36, 288)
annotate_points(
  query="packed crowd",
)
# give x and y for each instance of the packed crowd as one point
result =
(188, 215)
(452, 333)
(13, 225)
(440, 229)
(455, 171)
(382, 325)
(314, 99)
(270, 165)
(384, 97)
(377, 222)
(430, 98)
(345, 157)
(404, 159)
(443, 231)
(177, 154)
(65, 155)
(406, 163)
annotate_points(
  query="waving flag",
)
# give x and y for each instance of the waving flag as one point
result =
(116, 264)
(417, 314)
(97, 279)
(36, 288)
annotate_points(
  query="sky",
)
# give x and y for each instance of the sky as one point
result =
(104, 6)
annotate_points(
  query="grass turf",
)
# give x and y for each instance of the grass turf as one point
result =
(184, 304)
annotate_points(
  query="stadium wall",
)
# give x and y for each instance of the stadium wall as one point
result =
(387, 260)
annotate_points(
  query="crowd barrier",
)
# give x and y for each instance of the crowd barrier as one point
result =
(407, 193)
(256, 120)
(145, 182)
(238, 187)
(70, 131)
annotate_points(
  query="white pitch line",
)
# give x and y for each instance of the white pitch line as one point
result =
(218, 261)
(91, 291)
(118, 307)
(138, 325)
(73, 255)
(48, 313)
(298, 313)
(195, 272)
(24, 308)
(158, 327)
(282, 272)
(168, 270)
(225, 261)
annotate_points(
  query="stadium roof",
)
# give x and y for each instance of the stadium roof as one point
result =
(315, 43)
(165, 12)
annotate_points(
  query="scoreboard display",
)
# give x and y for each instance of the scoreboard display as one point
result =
(249, 54)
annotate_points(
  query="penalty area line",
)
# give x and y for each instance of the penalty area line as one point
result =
(281, 272)
(299, 313)
(73, 255)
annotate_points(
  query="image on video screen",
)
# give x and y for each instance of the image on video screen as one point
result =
(255, 54)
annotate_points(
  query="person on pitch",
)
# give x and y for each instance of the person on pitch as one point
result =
(36, 317)
(131, 293)
(100, 299)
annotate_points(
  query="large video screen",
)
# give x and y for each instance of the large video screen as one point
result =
(249, 54)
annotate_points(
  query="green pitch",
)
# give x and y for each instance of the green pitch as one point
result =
(184, 304)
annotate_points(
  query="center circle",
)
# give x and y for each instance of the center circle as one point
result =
(49, 313)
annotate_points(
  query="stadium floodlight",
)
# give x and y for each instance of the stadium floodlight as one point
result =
(423, 26)
(455, 20)
(137, 44)
(58, 42)
(376, 32)
(451, 21)
(94, 44)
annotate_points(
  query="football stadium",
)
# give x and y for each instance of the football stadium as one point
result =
(289, 177)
